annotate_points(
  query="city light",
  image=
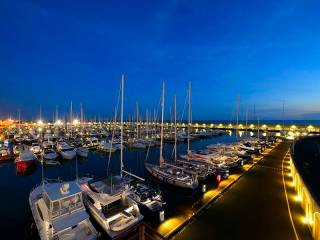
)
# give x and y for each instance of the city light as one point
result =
(58, 122)
(76, 122)
(40, 122)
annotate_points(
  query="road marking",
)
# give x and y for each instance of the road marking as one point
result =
(288, 205)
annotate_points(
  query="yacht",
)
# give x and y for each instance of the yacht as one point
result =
(59, 213)
(26, 158)
(66, 151)
(49, 154)
(108, 147)
(82, 152)
(146, 197)
(4, 154)
(36, 148)
(109, 204)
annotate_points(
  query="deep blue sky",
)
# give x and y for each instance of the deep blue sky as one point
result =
(52, 52)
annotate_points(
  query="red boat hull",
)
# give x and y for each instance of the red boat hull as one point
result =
(25, 164)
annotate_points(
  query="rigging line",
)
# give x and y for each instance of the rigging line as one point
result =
(184, 106)
(114, 128)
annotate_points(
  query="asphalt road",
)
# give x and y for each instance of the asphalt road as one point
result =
(253, 208)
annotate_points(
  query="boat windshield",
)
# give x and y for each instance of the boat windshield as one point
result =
(66, 205)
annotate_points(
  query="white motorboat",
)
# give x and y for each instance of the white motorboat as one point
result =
(66, 151)
(59, 213)
(146, 197)
(107, 199)
(108, 147)
(49, 154)
(82, 152)
(36, 148)
(109, 204)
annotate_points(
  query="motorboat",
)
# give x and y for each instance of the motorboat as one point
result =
(36, 148)
(4, 154)
(146, 197)
(59, 212)
(49, 154)
(108, 147)
(82, 152)
(66, 151)
(108, 203)
(26, 158)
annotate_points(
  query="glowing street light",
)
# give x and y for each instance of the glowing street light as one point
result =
(40, 122)
(58, 122)
(75, 122)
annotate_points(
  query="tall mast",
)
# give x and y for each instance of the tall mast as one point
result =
(247, 121)
(121, 125)
(71, 117)
(81, 114)
(40, 112)
(189, 115)
(147, 122)
(57, 114)
(19, 113)
(238, 110)
(162, 113)
(283, 115)
(137, 106)
(175, 128)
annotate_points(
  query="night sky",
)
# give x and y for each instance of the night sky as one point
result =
(266, 52)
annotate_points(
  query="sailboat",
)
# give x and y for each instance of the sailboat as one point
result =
(108, 199)
(201, 169)
(169, 173)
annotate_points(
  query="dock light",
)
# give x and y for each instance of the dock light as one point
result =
(204, 188)
(161, 215)
(308, 220)
(298, 198)
(39, 129)
(40, 122)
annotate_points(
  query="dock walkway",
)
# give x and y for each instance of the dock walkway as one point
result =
(253, 208)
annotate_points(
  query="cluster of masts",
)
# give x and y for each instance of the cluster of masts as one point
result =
(116, 202)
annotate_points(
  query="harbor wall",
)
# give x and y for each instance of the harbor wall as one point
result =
(306, 199)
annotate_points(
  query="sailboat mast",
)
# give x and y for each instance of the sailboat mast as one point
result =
(19, 113)
(81, 114)
(162, 113)
(71, 118)
(137, 106)
(238, 111)
(175, 128)
(57, 114)
(121, 126)
(189, 115)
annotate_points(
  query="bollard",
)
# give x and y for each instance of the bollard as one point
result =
(204, 188)
(161, 215)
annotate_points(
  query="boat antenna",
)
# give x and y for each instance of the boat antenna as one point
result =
(162, 113)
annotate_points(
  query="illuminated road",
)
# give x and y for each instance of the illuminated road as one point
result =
(253, 208)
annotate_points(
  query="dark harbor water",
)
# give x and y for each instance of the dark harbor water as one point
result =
(16, 216)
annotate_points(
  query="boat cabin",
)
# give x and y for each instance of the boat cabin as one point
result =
(61, 199)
